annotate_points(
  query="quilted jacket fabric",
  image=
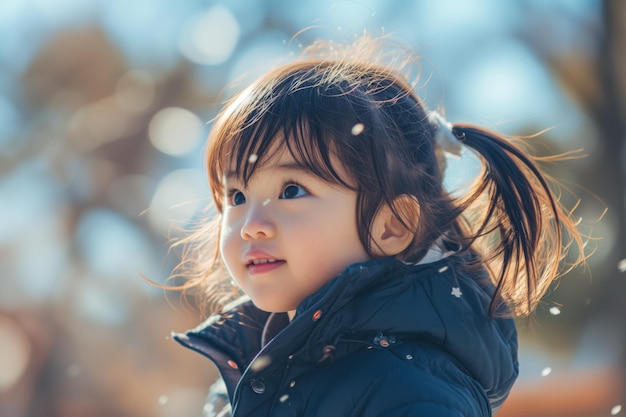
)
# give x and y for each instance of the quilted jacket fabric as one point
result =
(382, 339)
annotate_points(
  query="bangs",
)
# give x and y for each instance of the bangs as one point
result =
(259, 128)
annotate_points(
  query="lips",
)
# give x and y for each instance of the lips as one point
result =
(258, 262)
(263, 267)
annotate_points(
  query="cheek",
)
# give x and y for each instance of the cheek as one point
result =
(228, 239)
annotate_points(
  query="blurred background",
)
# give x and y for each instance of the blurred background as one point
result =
(104, 108)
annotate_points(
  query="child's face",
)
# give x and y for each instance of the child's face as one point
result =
(287, 233)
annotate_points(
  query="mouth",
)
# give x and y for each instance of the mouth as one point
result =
(262, 265)
(263, 261)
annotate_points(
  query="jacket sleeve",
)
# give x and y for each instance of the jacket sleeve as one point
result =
(420, 387)
(424, 402)
(423, 409)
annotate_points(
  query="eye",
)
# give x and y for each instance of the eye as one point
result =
(236, 198)
(293, 191)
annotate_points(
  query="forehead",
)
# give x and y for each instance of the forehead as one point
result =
(252, 151)
(277, 157)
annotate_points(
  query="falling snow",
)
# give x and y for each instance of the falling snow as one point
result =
(163, 400)
(622, 265)
(357, 129)
(555, 311)
(616, 410)
(252, 158)
(546, 371)
(266, 202)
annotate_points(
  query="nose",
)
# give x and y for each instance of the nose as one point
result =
(258, 225)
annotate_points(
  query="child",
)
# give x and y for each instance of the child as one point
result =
(370, 290)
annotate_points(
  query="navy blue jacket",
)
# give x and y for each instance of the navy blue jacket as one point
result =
(381, 339)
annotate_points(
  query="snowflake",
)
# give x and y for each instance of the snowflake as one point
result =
(357, 129)
(456, 291)
(555, 311)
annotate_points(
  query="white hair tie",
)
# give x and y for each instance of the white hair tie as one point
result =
(445, 139)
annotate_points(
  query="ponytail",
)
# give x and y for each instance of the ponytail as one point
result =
(517, 220)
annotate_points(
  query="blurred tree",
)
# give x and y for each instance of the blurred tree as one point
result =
(77, 121)
(593, 73)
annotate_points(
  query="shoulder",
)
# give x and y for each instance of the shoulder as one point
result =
(398, 381)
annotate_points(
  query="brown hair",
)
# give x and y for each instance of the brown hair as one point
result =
(509, 218)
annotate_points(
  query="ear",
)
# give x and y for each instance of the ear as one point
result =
(390, 234)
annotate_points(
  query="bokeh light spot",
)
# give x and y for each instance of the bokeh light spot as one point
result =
(178, 197)
(175, 131)
(105, 239)
(210, 38)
